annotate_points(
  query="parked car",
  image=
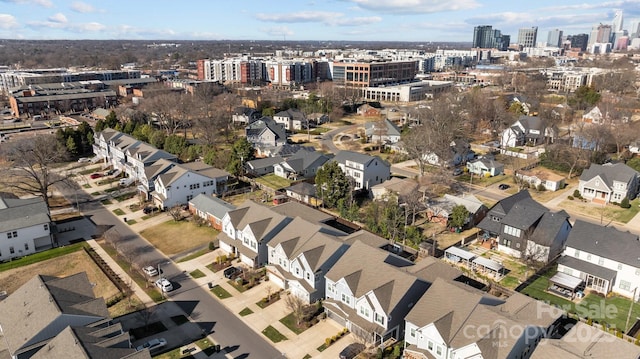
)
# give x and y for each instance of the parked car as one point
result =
(125, 181)
(95, 175)
(351, 350)
(109, 172)
(148, 209)
(503, 186)
(232, 272)
(151, 271)
(83, 159)
(164, 285)
(457, 172)
(153, 344)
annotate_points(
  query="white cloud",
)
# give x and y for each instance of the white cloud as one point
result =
(45, 3)
(82, 7)
(58, 18)
(8, 21)
(324, 17)
(357, 21)
(88, 27)
(415, 6)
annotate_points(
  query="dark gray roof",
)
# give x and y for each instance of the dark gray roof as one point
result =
(388, 128)
(263, 162)
(303, 160)
(607, 242)
(532, 123)
(292, 113)
(303, 188)
(504, 206)
(257, 127)
(550, 224)
(21, 213)
(587, 267)
(212, 205)
(609, 172)
(295, 209)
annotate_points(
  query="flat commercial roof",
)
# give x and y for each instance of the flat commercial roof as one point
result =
(488, 263)
(566, 281)
(459, 252)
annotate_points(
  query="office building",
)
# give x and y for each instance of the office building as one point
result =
(579, 41)
(527, 37)
(554, 38)
(372, 74)
(600, 34)
(485, 37)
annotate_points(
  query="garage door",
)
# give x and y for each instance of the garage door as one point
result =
(337, 318)
(276, 280)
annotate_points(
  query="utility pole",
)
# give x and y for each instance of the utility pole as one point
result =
(633, 299)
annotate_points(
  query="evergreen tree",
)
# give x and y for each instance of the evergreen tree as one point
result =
(332, 184)
(241, 152)
(459, 215)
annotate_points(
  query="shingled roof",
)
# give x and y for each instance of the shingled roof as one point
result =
(607, 242)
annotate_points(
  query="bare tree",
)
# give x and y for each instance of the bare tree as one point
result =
(29, 167)
(175, 212)
(269, 290)
(146, 314)
(112, 237)
(296, 306)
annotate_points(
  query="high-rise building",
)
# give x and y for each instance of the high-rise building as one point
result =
(486, 37)
(579, 41)
(618, 21)
(600, 34)
(527, 37)
(554, 38)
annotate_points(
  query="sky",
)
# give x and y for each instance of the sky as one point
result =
(298, 20)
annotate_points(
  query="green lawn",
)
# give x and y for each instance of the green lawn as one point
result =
(246, 311)
(273, 334)
(194, 255)
(290, 322)
(197, 274)
(509, 282)
(86, 185)
(132, 222)
(612, 310)
(273, 181)
(173, 237)
(118, 212)
(41, 256)
(220, 292)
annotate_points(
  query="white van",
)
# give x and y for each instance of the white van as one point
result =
(125, 181)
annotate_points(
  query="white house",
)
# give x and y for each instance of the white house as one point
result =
(25, 226)
(383, 131)
(303, 164)
(247, 230)
(608, 183)
(535, 178)
(369, 291)
(593, 116)
(365, 170)
(454, 321)
(291, 119)
(183, 182)
(483, 166)
(299, 257)
(529, 130)
(607, 260)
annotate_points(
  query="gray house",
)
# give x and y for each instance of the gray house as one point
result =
(303, 164)
(522, 227)
(265, 132)
(609, 183)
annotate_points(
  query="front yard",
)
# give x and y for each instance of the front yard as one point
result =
(173, 237)
(610, 212)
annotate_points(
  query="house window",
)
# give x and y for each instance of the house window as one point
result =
(517, 245)
(11, 250)
(577, 254)
(346, 299)
(46, 227)
(439, 350)
(308, 276)
(624, 285)
(495, 219)
(506, 242)
(512, 231)
(619, 266)
(413, 333)
(430, 345)
(189, 198)
(588, 257)
(26, 246)
(379, 318)
(637, 271)
(601, 261)
(13, 234)
(297, 270)
(364, 311)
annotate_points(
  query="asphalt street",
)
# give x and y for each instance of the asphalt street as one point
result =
(233, 335)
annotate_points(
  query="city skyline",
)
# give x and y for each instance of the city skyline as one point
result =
(332, 20)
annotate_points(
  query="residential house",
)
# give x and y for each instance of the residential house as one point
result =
(247, 229)
(265, 132)
(521, 101)
(398, 187)
(461, 153)
(92, 343)
(212, 209)
(303, 192)
(369, 292)
(485, 166)
(538, 177)
(291, 119)
(245, 115)
(183, 182)
(608, 183)
(262, 166)
(524, 228)
(366, 171)
(527, 130)
(440, 210)
(604, 258)
(25, 226)
(127, 154)
(382, 132)
(586, 341)
(303, 164)
(286, 150)
(43, 307)
(593, 116)
(317, 118)
(368, 111)
(147, 181)
(300, 255)
(456, 321)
